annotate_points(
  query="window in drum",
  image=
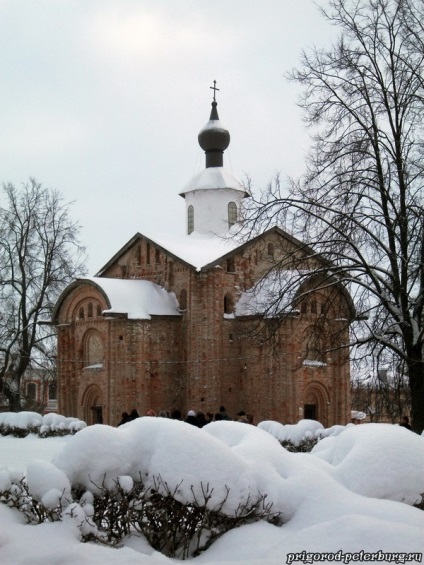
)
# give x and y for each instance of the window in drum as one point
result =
(232, 213)
(190, 220)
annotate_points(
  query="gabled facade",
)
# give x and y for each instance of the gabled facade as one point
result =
(168, 322)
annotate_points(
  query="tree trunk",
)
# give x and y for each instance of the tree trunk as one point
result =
(416, 384)
(14, 401)
(12, 394)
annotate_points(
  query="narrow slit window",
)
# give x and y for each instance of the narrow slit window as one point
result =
(228, 304)
(183, 299)
(190, 220)
(231, 267)
(232, 213)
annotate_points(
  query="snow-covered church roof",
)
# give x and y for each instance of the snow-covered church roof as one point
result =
(214, 178)
(199, 249)
(196, 249)
(137, 299)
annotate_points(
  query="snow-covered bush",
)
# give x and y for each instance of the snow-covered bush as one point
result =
(378, 460)
(304, 446)
(296, 438)
(176, 484)
(172, 527)
(179, 487)
(57, 425)
(20, 424)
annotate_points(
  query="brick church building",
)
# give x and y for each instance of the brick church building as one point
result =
(173, 321)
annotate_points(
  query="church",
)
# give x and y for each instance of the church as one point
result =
(178, 321)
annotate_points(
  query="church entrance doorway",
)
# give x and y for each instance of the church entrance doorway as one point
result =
(92, 404)
(316, 403)
(310, 412)
(97, 414)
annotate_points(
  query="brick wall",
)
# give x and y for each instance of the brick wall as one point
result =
(203, 358)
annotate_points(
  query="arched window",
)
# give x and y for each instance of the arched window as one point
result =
(190, 220)
(148, 253)
(157, 256)
(31, 390)
(313, 306)
(271, 250)
(183, 299)
(231, 267)
(315, 345)
(93, 350)
(90, 310)
(138, 255)
(98, 310)
(232, 213)
(170, 273)
(81, 313)
(52, 391)
(228, 304)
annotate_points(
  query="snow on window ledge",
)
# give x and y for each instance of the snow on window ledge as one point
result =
(313, 363)
(96, 366)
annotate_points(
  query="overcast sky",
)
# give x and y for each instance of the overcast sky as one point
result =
(103, 100)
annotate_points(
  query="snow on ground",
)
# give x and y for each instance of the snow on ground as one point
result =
(341, 498)
(17, 453)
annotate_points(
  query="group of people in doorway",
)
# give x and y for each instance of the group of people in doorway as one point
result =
(195, 418)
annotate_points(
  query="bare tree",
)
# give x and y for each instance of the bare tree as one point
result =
(360, 203)
(39, 255)
(382, 390)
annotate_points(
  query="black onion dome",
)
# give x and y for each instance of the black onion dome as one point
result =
(214, 139)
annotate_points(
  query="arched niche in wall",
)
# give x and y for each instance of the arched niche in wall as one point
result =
(93, 349)
(315, 345)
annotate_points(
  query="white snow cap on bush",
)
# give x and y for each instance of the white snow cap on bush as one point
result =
(77, 514)
(5, 480)
(48, 484)
(294, 433)
(21, 420)
(379, 460)
(44, 424)
(149, 448)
